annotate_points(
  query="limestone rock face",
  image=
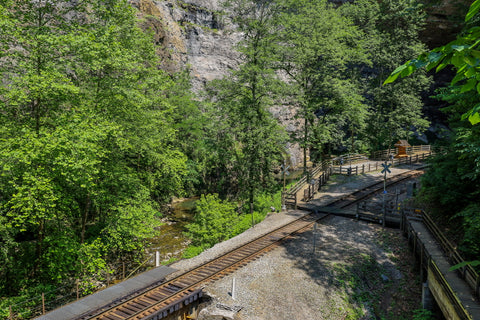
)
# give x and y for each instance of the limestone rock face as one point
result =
(193, 33)
(199, 34)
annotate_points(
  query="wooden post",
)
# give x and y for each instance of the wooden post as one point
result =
(421, 263)
(414, 245)
(376, 166)
(477, 286)
(43, 303)
(10, 313)
(363, 168)
(402, 216)
(76, 285)
(356, 170)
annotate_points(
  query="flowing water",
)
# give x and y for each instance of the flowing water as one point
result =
(171, 242)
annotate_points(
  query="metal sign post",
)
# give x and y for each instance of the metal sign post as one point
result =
(284, 173)
(385, 171)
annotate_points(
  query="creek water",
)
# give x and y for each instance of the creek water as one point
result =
(171, 241)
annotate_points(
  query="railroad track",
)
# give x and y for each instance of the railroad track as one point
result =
(158, 301)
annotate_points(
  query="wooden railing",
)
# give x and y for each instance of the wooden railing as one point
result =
(426, 262)
(384, 154)
(319, 175)
(323, 172)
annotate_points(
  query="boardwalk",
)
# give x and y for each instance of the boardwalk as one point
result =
(459, 287)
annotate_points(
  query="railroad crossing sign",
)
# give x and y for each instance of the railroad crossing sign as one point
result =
(386, 168)
(285, 168)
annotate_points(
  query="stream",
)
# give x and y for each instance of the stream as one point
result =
(171, 242)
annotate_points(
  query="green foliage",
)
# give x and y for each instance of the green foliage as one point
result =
(248, 140)
(423, 314)
(88, 140)
(462, 54)
(391, 31)
(319, 51)
(192, 251)
(471, 224)
(213, 222)
(217, 220)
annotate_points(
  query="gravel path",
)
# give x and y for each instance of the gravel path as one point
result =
(358, 270)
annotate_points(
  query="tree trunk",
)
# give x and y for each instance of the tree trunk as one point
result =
(84, 218)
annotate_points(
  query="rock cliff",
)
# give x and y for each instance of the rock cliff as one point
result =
(194, 34)
(198, 34)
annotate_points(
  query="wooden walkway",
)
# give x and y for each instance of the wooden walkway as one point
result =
(109, 295)
(459, 287)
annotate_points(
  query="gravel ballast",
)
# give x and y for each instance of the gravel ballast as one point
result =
(358, 270)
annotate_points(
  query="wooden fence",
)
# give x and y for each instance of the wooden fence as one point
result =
(318, 176)
(384, 154)
(315, 178)
(467, 272)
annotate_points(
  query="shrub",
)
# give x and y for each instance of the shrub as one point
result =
(213, 222)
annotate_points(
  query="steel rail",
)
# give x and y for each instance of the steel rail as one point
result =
(368, 191)
(147, 304)
(192, 279)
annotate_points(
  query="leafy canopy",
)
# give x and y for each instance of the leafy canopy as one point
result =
(463, 54)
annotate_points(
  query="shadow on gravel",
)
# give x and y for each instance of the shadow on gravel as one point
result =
(354, 262)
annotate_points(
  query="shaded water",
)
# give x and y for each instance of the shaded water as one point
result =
(171, 242)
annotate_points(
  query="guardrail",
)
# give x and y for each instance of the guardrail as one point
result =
(467, 272)
(384, 154)
(435, 273)
(426, 261)
(323, 172)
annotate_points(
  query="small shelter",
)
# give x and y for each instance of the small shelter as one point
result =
(402, 146)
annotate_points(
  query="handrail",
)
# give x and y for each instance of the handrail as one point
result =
(328, 166)
(467, 272)
(457, 305)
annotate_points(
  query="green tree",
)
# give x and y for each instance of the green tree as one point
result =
(391, 30)
(214, 221)
(453, 180)
(87, 138)
(253, 137)
(319, 48)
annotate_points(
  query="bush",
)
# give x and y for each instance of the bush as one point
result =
(192, 251)
(213, 222)
(216, 220)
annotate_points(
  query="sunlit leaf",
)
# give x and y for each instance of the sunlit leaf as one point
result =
(464, 264)
(474, 7)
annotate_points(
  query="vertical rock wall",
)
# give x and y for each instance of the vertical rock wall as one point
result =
(193, 34)
(198, 34)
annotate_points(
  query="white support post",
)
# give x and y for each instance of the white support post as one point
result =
(233, 288)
